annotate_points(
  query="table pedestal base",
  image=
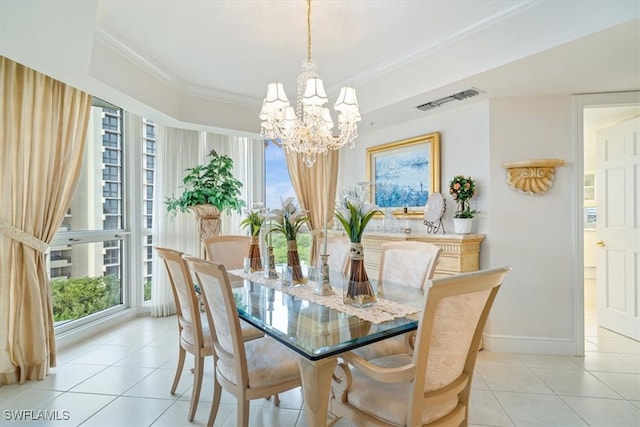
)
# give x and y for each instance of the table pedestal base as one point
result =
(316, 386)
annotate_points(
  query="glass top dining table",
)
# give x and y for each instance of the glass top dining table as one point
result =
(317, 332)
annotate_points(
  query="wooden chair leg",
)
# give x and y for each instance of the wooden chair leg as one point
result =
(176, 379)
(197, 385)
(243, 413)
(215, 404)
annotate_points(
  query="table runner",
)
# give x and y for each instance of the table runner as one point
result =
(383, 311)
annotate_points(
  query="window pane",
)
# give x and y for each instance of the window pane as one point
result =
(85, 278)
(99, 190)
(278, 186)
(148, 170)
(110, 139)
(147, 245)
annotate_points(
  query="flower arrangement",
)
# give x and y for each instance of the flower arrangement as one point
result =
(254, 220)
(462, 189)
(288, 221)
(354, 213)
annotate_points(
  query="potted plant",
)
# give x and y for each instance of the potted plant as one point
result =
(462, 189)
(209, 190)
(288, 221)
(354, 213)
(254, 220)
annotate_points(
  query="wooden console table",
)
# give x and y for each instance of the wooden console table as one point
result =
(460, 252)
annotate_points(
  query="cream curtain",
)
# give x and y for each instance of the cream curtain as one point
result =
(315, 189)
(44, 126)
(177, 150)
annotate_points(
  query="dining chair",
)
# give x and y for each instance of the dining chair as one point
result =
(431, 386)
(247, 369)
(338, 250)
(229, 250)
(407, 263)
(194, 333)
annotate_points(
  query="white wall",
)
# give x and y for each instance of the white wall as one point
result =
(534, 309)
(464, 150)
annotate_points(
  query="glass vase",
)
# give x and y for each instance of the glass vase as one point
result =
(293, 261)
(254, 254)
(358, 292)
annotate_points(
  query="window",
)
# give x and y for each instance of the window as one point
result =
(148, 168)
(100, 258)
(278, 187)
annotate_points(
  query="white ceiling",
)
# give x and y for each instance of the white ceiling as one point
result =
(207, 63)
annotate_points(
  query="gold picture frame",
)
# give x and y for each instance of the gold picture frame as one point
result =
(404, 173)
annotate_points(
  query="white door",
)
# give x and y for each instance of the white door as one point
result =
(618, 228)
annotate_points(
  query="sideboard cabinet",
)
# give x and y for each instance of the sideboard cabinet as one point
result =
(460, 252)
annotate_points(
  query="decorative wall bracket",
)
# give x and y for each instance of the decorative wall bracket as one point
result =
(532, 176)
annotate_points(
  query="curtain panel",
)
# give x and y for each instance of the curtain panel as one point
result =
(177, 150)
(43, 131)
(315, 188)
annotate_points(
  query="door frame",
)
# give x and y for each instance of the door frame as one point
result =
(580, 102)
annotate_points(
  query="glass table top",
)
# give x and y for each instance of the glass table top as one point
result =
(316, 331)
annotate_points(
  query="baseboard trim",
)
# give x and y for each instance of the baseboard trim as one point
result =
(530, 345)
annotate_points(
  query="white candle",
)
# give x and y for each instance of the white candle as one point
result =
(324, 252)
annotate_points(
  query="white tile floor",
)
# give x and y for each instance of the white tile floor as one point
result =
(122, 378)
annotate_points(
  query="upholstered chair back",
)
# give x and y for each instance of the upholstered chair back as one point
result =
(338, 248)
(408, 263)
(228, 250)
(183, 290)
(222, 313)
(448, 339)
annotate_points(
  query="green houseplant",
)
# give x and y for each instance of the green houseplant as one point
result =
(212, 183)
(209, 190)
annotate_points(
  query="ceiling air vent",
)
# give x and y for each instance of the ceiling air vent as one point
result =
(456, 96)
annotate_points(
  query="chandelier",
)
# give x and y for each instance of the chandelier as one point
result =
(308, 129)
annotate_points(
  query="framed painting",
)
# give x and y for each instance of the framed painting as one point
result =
(404, 173)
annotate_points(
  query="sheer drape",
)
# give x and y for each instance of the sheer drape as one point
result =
(43, 131)
(247, 162)
(177, 150)
(315, 189)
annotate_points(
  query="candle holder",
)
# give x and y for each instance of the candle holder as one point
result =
(324, 286)
(270, 269)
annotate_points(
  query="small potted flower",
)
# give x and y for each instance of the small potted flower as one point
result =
(288, 221)
(254, 220)
(354, 213)
(462, 189)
